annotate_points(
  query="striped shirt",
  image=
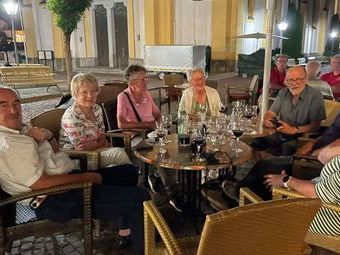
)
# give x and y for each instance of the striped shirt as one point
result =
(326, 221)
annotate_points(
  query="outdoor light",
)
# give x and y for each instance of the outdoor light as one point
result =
(333, 34)
(11, 9)
(282, 25)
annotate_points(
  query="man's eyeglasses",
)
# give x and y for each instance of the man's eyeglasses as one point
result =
(298, 80)
(140, 80)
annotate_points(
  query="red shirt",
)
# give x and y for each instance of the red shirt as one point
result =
(333, 81)
(277, 78)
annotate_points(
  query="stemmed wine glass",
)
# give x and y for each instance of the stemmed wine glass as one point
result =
(238, 128)
(167, 120)
(161, 131)
(198, 143)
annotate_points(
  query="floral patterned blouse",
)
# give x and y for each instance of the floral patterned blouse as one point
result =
(76, 129)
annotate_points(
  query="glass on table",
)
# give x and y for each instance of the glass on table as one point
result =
(161, 131)
(238, 127)
(198, 143)
(167, 122)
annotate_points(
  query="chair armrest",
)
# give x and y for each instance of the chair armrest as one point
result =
(49, 191)
(154, 220)
(307, 157)
(237, 88)
(279, 193)
(247, 197)
(94, 155)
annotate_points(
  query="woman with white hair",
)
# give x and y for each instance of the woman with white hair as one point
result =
(82, 125)
(199, 97)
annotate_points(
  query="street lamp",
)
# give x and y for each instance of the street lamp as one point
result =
(282, 27)
(333, 35)
(11, 9)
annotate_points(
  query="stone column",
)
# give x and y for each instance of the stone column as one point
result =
(94, 32)
(108, 7)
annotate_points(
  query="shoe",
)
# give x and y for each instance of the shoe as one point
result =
(123, 241)
(155, 183)
(176, 204)
(231, 190)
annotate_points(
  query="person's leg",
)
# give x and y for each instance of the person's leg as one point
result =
(172, 188)
(128, 202)
(114, 156)
(289, 147)
(260, 145)
(254, 179)
(109, 203)
(122, 175)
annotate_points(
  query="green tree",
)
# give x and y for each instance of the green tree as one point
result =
(67, 15)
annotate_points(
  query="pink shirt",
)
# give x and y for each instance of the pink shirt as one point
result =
(146, 110)
(333, 81)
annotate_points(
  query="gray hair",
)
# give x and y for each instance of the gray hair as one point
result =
(80, 79)
(190, 73)
(280, 56)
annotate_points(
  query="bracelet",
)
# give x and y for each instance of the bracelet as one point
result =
(51, 138)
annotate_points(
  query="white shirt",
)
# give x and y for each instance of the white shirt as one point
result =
(23, 161)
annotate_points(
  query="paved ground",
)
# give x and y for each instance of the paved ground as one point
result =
(72, 243)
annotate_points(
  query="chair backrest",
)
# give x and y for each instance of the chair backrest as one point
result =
(50, 120)
(211, 83)
(171, 80)
(253, 83)
(109, 92)
(110, 120)
(332, 110)
(274, 227)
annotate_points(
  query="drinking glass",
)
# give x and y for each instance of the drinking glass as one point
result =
(161, 131)
(198, 143)
(238, 128)
(167, 120)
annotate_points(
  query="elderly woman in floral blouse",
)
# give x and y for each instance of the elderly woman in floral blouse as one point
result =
(82, 125)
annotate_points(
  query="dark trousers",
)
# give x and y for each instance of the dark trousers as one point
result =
(286, 143)
(255, 178)
(110, 201)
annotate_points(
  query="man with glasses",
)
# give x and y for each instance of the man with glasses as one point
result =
(333, 77)
(297, 109)
(278, 74)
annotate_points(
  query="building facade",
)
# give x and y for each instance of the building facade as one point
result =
(113, 33)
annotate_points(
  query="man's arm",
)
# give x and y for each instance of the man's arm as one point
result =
(48, 181)
(267, 119)
(304, 187)
(291, 130)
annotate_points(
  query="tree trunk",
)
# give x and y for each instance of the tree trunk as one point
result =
(68, 58)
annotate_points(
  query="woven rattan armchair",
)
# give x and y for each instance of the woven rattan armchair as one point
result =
(328, 242)
(51, 120)
(10, 231)
(266, 228)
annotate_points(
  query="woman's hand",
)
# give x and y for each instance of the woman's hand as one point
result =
(274, 179)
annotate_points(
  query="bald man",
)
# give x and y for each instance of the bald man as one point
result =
(297, 109)
(313, 71)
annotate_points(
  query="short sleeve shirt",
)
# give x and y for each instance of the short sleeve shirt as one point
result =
(308, 108)
(333, 81)
(146, 110)
(76, 129)
(326, 221)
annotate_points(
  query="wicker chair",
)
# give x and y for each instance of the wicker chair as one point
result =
(252, 229)
(328, 242)
(11, 231)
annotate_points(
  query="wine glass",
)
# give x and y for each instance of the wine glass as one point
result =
(167, 120)
(161, 131)
(198, 143)
(238, 128)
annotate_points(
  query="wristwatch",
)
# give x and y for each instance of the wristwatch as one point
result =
(285, 181)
